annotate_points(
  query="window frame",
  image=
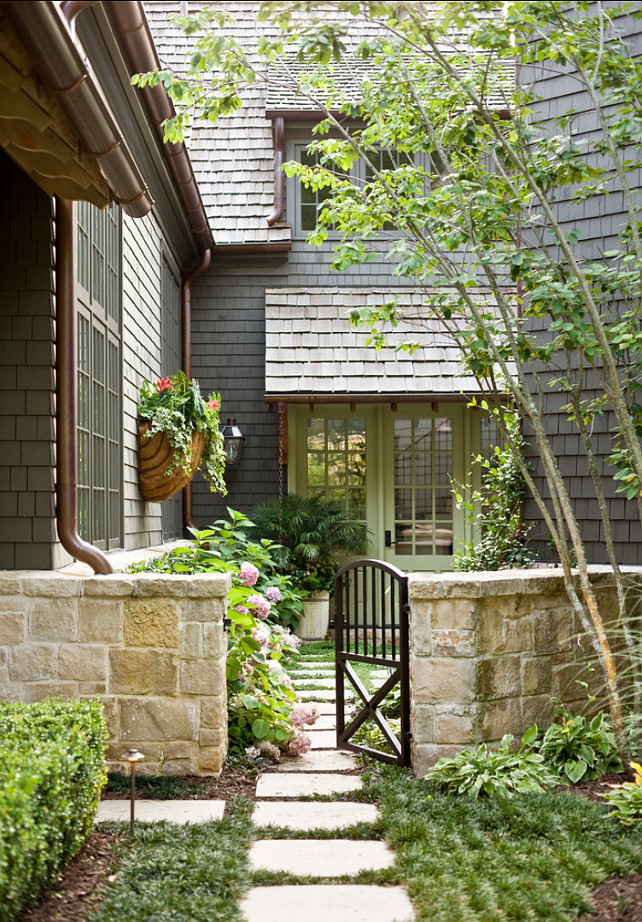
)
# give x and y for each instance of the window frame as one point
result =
(99, 376)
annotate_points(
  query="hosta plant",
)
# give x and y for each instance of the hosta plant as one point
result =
(626, 798)
(487, 772)
(175, 406)
(577, 748)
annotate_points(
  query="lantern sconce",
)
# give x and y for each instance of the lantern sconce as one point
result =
(233, 440)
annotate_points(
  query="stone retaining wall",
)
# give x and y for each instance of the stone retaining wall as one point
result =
(152, 647)
(489, 652)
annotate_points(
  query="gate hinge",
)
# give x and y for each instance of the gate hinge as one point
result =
(407, 735)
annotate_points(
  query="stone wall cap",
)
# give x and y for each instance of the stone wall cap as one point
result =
(478, 584)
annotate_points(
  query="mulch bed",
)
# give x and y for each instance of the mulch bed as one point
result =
(76, 893)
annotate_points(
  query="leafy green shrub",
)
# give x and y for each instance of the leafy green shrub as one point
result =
(265, 716)
(626, 798)
(310, 533)
(222, 548)
(52, 767)
(577, 748)
(486, 772)
(496, 508)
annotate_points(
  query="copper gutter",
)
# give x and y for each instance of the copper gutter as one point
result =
(279, 179)
(61, 68)
(67, 474)
(367, 398)
(188, 496)
(252, 249)
(129, 21)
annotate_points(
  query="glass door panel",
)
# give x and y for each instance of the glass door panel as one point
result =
(425, 451)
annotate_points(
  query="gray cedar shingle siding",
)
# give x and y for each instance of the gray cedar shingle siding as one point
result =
(599, 219)
(27, 434)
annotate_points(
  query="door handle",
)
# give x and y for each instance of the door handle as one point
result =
(388, 542)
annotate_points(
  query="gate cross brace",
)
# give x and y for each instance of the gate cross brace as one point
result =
(371, 707)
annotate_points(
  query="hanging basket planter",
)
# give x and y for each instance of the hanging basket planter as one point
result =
(155, 457)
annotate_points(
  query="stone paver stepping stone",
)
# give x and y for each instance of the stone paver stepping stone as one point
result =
(323, 694)
(310, 815)
(173, 811)
(322, 739)
(325, 708)
(318, 903)
(320, 857)
(323, 760)
(313, 664)
(300, 784)
(324, 722)
(317, 683)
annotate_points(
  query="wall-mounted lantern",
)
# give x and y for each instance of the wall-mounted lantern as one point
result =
(233, 440)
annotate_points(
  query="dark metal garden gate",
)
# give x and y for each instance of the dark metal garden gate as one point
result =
(371, 627)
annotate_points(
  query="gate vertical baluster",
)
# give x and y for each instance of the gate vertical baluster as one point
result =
(393, 626)
(366, 603)
(374, 603)
(340, 594)
(356, 610)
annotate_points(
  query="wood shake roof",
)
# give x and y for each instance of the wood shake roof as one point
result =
(311, 347)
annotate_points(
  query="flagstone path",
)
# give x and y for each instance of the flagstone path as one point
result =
(329, 863)
(324, 770)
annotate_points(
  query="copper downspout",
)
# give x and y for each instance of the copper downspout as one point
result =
(188, 496)
(67, 474)
(279, 178)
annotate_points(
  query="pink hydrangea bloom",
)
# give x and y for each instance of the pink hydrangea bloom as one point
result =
(270, 750)
(304, 712)
(298, 745)
(241, 609)
(261, 635)
(249, 574)
(260, 606)
(273, 594)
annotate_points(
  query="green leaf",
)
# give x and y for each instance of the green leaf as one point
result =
(260, 728)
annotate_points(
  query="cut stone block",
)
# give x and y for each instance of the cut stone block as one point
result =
(322, 739)
(319, 903)
(319, 694)
(326, 708)
(172, 811)
(300, 784)
(318, 683)
(310, 815)
(324, 722)
(324, 760)
(320, 857)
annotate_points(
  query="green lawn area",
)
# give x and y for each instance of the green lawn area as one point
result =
(524, 857)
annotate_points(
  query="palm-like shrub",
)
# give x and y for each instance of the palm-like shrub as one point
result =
(311, 533)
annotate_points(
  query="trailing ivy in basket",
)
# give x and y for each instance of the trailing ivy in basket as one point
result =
(175, 406)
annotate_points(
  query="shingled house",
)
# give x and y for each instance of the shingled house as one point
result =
(321, 411)
(102, 224)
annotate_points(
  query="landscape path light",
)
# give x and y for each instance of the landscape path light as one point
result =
(132, 756)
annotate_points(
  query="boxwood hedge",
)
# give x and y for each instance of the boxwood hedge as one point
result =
(52, 768)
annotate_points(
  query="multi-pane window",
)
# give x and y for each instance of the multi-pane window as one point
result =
(423, 465)
(308, 201)
(99, 380)
(336, 462)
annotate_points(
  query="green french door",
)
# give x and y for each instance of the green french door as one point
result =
(423, 454)
(391, 469)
